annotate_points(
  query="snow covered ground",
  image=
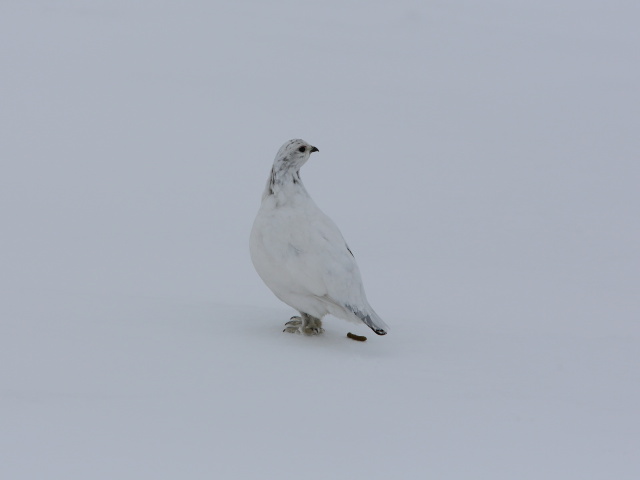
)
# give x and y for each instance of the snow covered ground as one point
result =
(492, 206)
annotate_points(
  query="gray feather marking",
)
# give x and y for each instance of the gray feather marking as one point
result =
(367, 320)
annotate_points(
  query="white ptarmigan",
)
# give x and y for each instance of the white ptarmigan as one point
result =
(301, 255)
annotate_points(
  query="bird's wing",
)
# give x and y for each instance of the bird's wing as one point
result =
(322, 263)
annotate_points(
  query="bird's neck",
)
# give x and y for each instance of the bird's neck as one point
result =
(284, 182)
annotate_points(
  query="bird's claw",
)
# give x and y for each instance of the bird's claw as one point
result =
(313, 330)
(294, 321)
(296, 325)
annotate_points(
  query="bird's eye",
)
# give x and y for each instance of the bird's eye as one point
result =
(302, 149)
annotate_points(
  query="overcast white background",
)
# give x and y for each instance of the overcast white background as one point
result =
(481, 159)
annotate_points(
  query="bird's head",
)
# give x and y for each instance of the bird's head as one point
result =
(293, 154)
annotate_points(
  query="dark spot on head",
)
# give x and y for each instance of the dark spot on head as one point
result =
(272, 181)
(302, 149)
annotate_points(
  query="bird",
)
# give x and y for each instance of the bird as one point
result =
(300, 254)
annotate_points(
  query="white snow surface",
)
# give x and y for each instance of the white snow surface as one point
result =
(493, 207)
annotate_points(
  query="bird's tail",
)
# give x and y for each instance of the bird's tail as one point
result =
(371, 319)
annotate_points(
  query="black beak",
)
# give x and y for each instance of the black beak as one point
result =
(314, 149)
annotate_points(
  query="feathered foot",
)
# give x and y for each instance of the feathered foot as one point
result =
(305, 323)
